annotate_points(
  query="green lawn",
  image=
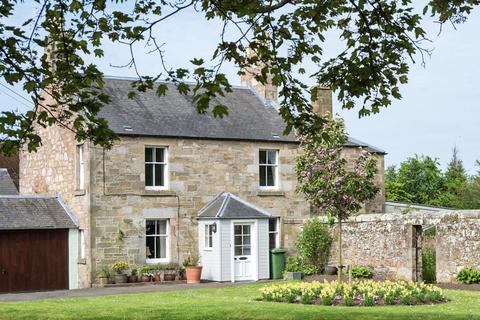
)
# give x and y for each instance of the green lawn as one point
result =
(227, 303)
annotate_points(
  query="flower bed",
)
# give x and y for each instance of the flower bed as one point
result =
(360, 293)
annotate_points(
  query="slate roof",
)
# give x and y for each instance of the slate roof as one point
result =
(35, 212)
(7, 186)
(229, 206)
(175, 115)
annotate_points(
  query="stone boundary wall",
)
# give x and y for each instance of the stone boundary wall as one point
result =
(384, 242)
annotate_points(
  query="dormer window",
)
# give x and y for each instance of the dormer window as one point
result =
(156, 168)
(268, 169)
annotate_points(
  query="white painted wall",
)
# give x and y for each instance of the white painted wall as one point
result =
(209, 258)
(226, 249)
(72, 258)
(263, 249)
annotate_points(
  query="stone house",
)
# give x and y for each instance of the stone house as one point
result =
(139, 201)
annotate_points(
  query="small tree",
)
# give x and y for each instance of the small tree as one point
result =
(327, 180)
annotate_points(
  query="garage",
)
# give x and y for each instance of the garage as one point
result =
(233, 240)
(38, 244)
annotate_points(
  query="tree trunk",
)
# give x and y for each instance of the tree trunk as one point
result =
(340, 245)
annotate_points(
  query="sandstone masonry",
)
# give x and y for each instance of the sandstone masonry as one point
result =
(384, 242)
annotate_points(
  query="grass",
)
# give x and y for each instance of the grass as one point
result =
(237, 302)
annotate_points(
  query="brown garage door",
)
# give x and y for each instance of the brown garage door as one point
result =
(33, 260)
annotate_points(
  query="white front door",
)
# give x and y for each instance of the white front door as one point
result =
(243, 251)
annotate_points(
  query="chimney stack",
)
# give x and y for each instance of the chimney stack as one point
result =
(322, 101)
(267, 91)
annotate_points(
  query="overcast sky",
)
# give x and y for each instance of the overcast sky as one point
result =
(439, 108)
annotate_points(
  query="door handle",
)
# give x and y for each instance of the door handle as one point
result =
(242, 258)
(4, 272)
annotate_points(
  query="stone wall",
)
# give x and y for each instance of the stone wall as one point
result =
(198, 171)
(384, 242)
(51, 170)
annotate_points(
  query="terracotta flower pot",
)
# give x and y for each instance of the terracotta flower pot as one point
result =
(193, 274)
(132, 279)
(145, 278)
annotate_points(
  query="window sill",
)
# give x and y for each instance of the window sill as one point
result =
(160, 192)
(154, 261)
(274, 193)
(79, 192)
(208, 249)
(81, 261)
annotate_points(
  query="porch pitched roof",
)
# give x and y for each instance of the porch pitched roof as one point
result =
(229, 206)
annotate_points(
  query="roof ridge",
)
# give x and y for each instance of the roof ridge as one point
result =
(69, 212)
(209, 204)
(224, 204)
(129, 78)
(27, 196)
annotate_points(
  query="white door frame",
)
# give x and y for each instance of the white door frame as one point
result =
(254, 247)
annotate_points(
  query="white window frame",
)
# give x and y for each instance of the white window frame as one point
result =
(275, 166)
(80, 167)
(165, 169)
(276, 232)
(208, 236)
(167, 242)
(81, 243)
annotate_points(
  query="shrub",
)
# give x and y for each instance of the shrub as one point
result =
(469, 276)
(295, 264)
(362, 272)
(120, 266)
(429, 265)
(313, 244)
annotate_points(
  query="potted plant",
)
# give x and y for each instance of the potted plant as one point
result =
(170, 271)
(120, 267)
(104, 276)
(157, 273)
(145, 273)
(192, 269)
(133, 276)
